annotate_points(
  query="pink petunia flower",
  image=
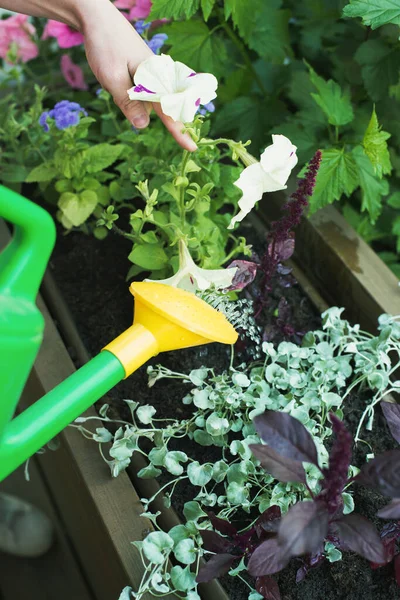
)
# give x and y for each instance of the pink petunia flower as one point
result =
(73, 74)
(138, 9)
(64, 34)
(18, 31)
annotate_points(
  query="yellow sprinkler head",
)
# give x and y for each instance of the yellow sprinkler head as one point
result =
(168, 318)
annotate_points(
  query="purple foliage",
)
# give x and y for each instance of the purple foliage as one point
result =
(336, 476)
(245, 274)
(281, 238)
(273, 539)
(392, 416)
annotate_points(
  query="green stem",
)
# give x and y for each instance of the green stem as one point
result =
(243, 51)
(181, 205)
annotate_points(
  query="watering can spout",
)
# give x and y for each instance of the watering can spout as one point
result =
(165, 319)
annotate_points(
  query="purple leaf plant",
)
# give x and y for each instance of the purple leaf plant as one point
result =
(281, 238)
(270, 543)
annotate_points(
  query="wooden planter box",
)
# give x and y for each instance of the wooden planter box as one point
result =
(333, 265)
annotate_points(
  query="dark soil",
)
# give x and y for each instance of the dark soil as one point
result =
(91, 276)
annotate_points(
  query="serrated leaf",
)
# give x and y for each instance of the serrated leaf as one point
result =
(173, 9)
(101, 156)
(379, 67)
(375, 147)
(337, 175)
(206, 7)
(270, 34)
(372, 188)
(243, 18)
(374, 13)
(335, 103)
(193, 43)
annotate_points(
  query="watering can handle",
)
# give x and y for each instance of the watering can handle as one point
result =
(23, 262)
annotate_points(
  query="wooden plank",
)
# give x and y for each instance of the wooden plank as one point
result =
(345, 270)
(101, 514)
(57, 574)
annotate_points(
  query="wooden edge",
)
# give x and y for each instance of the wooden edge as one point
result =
(145, 487)
(341, 265)
(90, 503)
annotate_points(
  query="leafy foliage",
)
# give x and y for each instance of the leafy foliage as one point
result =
(374, 13)
(290, 487)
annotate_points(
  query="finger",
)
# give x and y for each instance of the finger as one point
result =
(134, 110)
(175, 128)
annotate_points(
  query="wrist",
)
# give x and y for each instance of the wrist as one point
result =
(85, 12)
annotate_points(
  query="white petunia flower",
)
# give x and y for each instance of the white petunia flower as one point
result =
(192, 278)
(269, 175)
(178, 88)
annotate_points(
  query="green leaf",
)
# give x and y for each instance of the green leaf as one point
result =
(178, 533)
(156, 546)
(206, 7)
(185, 552)
(237, 493)
(44, 172)
(172, 461)
(394, 200)
(192, 511)
(199, 474)
(101, 156)
(372, 188)
(77, 208)
(379, 67)
(243, 17)
(335, 104)
(149, 472)
(14, 173)
(337, 175)
(374, 13)
(182, 579)
(145, 413)
(148, 256)
(270, 34)
(193, 43)
(375, 147)
(173, 9)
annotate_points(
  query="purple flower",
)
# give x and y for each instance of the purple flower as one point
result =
(141, 26)
(43, 121)
(157, 42)
(206, 109)
(65, 114)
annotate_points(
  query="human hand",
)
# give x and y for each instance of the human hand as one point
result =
(114, 51)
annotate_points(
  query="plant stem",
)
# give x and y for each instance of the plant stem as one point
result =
(185, 158)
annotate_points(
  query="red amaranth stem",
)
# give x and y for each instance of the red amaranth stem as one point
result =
(281, 230)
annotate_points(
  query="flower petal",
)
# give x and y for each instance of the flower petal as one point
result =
(157, 74)
(279, 158)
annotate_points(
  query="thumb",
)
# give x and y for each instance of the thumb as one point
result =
(134, 110)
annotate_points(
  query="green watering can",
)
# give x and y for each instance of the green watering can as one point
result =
(165, 319)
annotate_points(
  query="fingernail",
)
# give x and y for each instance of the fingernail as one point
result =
(191, 145)
(141, 121)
